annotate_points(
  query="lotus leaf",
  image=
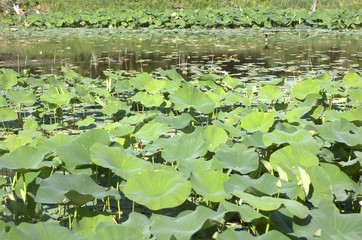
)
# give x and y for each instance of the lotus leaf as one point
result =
(148, 100)
(271, 204)
(8, 78)
(183, 147)
(7, 114)
(352, 80)
(270, 92)
(304, 88)
(158, 189)
(238, 159)
(258, 121)
(214, 137)
(210, 185)
(189, 96)
(151, 131)
(77, 152)
(41, 231)
(24, 97)
(176, 122)
(117, 159)
(25, 158)
(76, 188)
(230, 234)
(185, 225)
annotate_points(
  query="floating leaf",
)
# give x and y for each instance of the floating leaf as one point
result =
(210, 185)
(271, 204)
(304, 88)
(151, 131)
(270, 92)
(158, 189)
(76, 188)
(189, 96)
(25, 158)
(352, 80)
(257, 121)
(24, 97)
(7, 114)
(238, 159)
(77, 152)
(115, 158)
(214, 137)
(185, 224)
(42, 231)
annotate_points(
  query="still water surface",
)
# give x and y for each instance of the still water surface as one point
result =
(242, 53)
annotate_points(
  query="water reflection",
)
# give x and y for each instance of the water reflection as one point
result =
(241, 53)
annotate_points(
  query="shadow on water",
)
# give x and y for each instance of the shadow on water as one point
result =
(241, 53)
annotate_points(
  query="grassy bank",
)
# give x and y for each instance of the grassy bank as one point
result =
(90, 5)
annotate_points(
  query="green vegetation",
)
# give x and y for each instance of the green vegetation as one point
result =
(154, 155)
(92, 5)
(201, 19)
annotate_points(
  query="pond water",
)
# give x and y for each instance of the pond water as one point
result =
(241, 53)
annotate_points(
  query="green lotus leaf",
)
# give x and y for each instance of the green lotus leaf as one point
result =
(189, 96)
(7, 114)
(3, 101)
(113, 106)
(295, 114)
(270, 92)
(42, 231)
(246, 212)
(140, 81)
(117, 232)
(25, 158)
(352, 80)
(85, 122)
(353, 114)
(158, 189)
(151, 131)
(210, 185)
(30, 125)
(272, 204)
(86, 225)
(55, 97)
(118, 160)
(321, 185)
(155, 86)
(258, 121)
(217, 96)
(340, 183)
(148, 100)
(172, 74)
(214, 137)
(24, 97)
(231, 234)
(8, 78)
(182, 148)
(304, 88)
(356, 97)
(77, 152)
(231, 82)
(140, 222)
(292, 156)
(326, 222)
(300, 138)
(176, 122)
(185, 225)
(233, 131)
(238, 159)
(76, 188)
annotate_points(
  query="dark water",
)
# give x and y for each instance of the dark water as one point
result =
(242, 53)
